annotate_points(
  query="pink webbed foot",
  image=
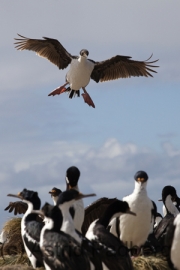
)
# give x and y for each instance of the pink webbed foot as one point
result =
(58, 90)
(87, 98)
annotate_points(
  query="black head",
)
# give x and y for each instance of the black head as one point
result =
(72, 177)
(54, 213)
(30, 196)
(141, 177)
(115, 209)
(169, 190)
(121, 207)
(84, 52)
(55, 192)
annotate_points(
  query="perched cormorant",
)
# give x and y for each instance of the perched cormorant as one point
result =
(134, 231)
(30, 227)
(119, 258)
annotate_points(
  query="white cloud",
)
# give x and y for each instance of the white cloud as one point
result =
(169, 149)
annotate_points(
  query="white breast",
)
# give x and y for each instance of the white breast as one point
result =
(135, 229)
(175, 249)
(170, 206)
(79, 74)
(79, 214)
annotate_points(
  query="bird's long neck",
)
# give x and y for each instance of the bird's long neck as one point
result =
(68, 223)
(28, 216)
(28, 212)
(170, 207)
(55, 198)
(140, 188)
(49, 225)
(82, 59)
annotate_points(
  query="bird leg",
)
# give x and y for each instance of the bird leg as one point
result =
(135, 252)
(59, 90)
(87, 98)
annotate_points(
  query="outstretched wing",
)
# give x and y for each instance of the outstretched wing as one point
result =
(121, 67)
(94, 211)
(18, 207)
(48, 48)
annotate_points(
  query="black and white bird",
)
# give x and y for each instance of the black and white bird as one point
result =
(170, 201)
(55, 192)
(77, 209)
(170, 211)
(118, 258)
(60, 250)
(95, 210)
(65, 201)
(30, 227)
(172, 243)
(83, 69)
(134, 231)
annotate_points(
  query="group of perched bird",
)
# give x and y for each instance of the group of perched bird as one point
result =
(105, 235)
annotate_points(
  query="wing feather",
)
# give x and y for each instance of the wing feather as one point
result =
(94, 211)
(18, 207)
(122, 67)
(48, 48)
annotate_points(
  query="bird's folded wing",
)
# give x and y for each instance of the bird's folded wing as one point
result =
(94, 211)
(122, 67)
(48, 48)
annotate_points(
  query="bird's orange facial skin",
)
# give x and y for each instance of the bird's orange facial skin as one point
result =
(141, 180)
(20, 194)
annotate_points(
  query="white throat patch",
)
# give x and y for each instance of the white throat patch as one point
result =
(67, 180)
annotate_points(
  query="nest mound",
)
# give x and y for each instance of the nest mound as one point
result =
(14, 260)
(150, 263)
(16, 267)
(13, 244)
(19, 267)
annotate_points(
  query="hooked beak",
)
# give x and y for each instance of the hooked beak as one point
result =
(52, 192)
(80, 196)
(16, 196)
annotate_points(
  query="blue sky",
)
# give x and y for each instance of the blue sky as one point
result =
(135, 125)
